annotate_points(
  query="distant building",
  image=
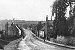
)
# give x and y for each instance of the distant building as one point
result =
(47, 29)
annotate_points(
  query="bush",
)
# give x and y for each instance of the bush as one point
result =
(66, 40)
(71, 41)
(61, 39)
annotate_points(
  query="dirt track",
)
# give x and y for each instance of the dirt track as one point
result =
(31, 43)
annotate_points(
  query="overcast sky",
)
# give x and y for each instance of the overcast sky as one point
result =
(25, 9)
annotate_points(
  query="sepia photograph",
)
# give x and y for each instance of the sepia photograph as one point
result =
(37, 24)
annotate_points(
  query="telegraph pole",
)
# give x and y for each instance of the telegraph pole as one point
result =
(51, 18)
(6, 29)
(70, 9)
(51, 15)
(46, 26)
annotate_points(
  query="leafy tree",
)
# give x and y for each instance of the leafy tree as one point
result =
(60, 22)
(71, 22)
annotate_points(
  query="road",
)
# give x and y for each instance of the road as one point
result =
(31, 43)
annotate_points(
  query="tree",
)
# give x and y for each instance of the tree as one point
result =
(71, 22)
(60, 22)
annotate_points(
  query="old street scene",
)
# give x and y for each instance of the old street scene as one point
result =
(37, 24)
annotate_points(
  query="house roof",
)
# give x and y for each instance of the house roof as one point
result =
(43, 28)
(50, 23)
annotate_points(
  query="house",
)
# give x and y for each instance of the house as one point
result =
(1, 34)
(47, 29)
(11, 30)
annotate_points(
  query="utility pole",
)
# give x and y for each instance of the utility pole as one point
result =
(51, 18)
(6, 29)
(70, 8)
(46, 26)
(56, 10)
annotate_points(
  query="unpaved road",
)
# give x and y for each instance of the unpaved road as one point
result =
(31, 43)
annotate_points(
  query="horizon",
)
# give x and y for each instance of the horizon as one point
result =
(20, 20)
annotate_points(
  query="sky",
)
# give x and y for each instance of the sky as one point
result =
(29, 10)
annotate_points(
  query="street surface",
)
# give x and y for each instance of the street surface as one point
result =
(31, 43)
